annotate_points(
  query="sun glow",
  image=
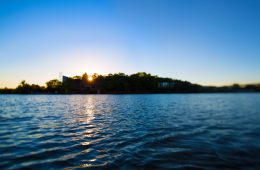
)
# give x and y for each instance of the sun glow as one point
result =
(90, 78)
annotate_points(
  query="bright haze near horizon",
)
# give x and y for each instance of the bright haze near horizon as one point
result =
(207, 42)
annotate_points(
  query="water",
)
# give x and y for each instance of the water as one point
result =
(182, 131)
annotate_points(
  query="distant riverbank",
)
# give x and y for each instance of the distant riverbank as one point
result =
(129, 93)
(120, 83)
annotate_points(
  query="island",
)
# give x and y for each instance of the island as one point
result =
(120, 83)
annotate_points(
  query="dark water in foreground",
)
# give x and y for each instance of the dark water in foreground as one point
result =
(182, 131)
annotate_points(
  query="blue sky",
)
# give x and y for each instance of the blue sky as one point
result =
(203, 41)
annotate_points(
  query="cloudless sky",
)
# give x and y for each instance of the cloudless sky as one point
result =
(202, 41)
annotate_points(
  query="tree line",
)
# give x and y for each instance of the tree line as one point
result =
(121, 83)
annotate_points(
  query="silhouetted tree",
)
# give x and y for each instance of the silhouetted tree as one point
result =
(54, 86)
(23, 88)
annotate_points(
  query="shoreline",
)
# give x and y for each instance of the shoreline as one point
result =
(114, 93)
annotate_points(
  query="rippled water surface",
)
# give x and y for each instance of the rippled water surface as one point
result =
(182, 131)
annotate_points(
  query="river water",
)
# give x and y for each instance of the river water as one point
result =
(160, 131)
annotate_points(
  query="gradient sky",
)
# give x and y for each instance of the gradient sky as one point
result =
(203, 41)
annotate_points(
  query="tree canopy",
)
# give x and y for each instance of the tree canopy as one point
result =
(140, 82)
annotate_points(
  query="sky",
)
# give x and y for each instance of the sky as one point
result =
(209, 42)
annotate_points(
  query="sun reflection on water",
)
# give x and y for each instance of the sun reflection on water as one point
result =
(87, 114)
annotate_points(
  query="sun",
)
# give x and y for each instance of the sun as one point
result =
(90, 78)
